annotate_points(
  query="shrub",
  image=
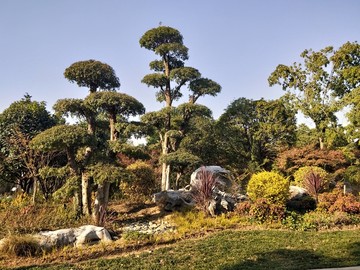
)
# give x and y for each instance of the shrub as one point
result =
(302, 175)
(270, 186)
(327, 199)
(302, 204)
(23, 246)
(346, 203)
(243, 208)
(262, 211)
(141, 181)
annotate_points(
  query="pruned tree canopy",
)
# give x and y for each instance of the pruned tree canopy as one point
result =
(92, 74)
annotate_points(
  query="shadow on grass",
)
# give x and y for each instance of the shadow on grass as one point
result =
(296, 260)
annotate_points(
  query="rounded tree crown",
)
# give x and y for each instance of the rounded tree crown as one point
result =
(165, 40)
(92, 74)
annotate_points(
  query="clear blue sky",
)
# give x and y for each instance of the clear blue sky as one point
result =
(234, 42)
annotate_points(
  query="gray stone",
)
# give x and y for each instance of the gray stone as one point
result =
(87, 234)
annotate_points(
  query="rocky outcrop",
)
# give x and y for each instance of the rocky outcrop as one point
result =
(219, 200)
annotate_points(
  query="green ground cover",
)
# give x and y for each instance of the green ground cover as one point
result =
(251, 249)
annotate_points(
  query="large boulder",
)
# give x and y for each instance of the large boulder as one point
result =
(222, 176)
(170, 200)
(87, 234)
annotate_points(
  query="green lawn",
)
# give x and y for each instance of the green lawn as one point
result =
(265, 249)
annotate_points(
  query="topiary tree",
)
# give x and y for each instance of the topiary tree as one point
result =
(92, 74)
(268, 185)
(68, 138)
(169, 77)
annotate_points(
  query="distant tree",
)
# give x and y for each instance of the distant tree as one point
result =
(346, 61)
(115, 106)
(251, 133)
(19, 123)
(170, 75)
(96, 76)
(318, 86)
(291, 160)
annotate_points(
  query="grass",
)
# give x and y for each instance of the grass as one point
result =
(230, 250)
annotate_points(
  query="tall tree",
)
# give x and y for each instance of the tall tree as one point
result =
(170, 75)
(96, 76)
(252, 132)
(311, 87)
(346, 61)
(115, 106)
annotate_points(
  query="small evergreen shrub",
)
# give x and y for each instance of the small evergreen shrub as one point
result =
(141, 181)
(301, 205)
(263, 211)
(268, 185)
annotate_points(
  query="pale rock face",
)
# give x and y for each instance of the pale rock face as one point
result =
(87, 234)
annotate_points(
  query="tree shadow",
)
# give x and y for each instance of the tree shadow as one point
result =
(295, 260)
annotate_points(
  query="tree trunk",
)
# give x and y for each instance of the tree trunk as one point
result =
(113, 132)
(35, 190)
(85, 192)
(77, 203)
(164, 179)
(321, 143)
(178, 175)
(101, 202)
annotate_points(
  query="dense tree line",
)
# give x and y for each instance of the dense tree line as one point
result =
(50, 159)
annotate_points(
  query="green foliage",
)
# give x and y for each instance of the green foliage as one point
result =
(115, 103)
(254, 132)
(315, 86)
(61, 137)
(68, 189)
(141, 181)
(165, 40)
(102, 172)
(270, 186)
(92, 74)
(27, 116)
(352, 175)
(19, 123)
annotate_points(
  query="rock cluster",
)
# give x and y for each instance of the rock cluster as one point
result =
(149, 227)
(220, 201)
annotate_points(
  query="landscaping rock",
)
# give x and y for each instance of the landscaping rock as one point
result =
(173, 199)
(149, 227)
(87, 234)
(222, 175)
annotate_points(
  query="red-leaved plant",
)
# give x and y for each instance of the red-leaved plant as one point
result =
(202, 191)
